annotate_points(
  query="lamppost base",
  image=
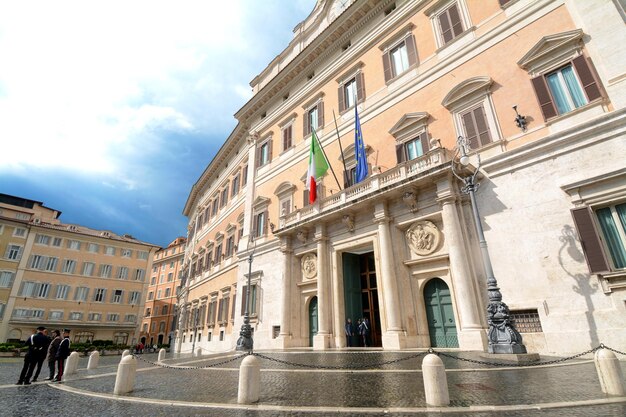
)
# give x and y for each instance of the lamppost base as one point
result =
(506, 348)
(244, 344)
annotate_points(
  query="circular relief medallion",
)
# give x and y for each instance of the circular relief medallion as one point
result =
(423, 237)
(309, 266)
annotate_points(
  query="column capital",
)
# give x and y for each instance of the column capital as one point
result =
(285, 244)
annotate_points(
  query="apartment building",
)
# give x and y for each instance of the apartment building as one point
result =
(537, 88)
(159, 318)
(68, 276)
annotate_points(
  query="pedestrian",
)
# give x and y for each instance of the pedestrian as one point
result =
(364, 331)
(37, 344)
(42, 356)
(62, 353)
(349, 329)
(52, 352)
(359, 328)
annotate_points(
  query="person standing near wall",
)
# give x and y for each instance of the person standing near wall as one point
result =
(52, 352)
(37, 344)
(62, 353)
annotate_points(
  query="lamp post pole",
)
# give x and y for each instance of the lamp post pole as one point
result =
(245, 341)
(502, 335)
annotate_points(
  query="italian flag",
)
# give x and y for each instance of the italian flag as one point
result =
(317, 167)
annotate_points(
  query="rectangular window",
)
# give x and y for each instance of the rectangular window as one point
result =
(6, 279)
(413, 148)
(139, 274)
(55, 315)
(230, 245)
(2, 307)
(105, 271)
(13, 253)
(42, 240)
(218, 254)
(143, 255)
(612, 222)
(88, 268)
(260, 226)
(214, 207)
(130, 318)
(73, 244)
(37, 261)
(399, 58)
(225, 196)
(253, 300)
(51, 264)
(113, 317)
(28, 289)
(159, 293)
(170, 277)
(62, 292)
(565, 88)
(122, 272)
(69, 266)
(42, 290)
(93, 248)
(287, 135)
(222, 316)
(151, 295)
(526, 321)
(211, 314)
(99, 295)
(94, 316)
(450, 23)
(57, 241)
(134, 297)
(127, 253)
(22, 216)
(109, 250)
(168, 292)
(19, 232)
(476, 127)
(264, 153)
(235, 186)
(244, 175)
(148, 311)
(117, 296)
(81, 294)
(75, 315)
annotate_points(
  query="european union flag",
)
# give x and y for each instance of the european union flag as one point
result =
(359, 150)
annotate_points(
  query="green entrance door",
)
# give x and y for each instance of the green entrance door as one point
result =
(312, 320)
(440, 315)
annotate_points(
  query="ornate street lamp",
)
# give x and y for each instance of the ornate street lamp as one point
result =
(502, 335)
(245, 341)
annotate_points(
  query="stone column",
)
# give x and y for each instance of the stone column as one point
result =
(393, 338)
(472, 335)
(322, 340)
(285, 323)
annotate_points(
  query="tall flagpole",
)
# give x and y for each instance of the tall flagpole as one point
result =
(345, 170)
(327, 160)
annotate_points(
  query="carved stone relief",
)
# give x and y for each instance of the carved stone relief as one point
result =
(309, 266)
(423, 237)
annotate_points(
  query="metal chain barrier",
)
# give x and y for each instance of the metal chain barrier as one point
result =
(355, 366)
(213, 365)
(603, 346)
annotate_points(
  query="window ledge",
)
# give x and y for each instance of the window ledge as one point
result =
(404, 75)
(612, 281)
(597, 102)
(456, 43)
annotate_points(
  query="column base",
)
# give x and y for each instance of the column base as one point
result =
(321, 341)
(394, 340)
(473, 339)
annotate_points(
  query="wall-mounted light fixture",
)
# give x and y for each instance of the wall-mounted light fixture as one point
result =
(520, 120)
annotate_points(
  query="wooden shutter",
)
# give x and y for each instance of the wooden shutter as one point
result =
(484, 137)
(244, 175)
(455, 21)
(587, 79)
(257, 159)
(387, 67)
(446, 29)
(305, 198)
(425, 142)
(342, 97)
(320, 115)
(543, 96)
(269, 151)
(265, 222)
(589, 240)
(411, 50)
(400, 153)
(470, 129)
(306, 123)
(503, 2)
(360, 87)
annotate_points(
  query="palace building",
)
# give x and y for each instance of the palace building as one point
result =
(538, 90)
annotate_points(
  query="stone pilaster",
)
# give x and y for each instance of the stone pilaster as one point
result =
(321, 341)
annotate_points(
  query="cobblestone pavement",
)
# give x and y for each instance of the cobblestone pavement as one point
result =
(393, 389)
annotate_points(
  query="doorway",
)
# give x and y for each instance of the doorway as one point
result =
(361, 293)
(312, 320)
(440, 314)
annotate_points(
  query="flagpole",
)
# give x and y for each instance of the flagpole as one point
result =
(345, 170)
(324, 152)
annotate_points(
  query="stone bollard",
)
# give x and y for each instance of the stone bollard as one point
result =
(161, 355)
(125, 379)
(249, 380)
(609, 372)
(125, 353)
(198, 352)
(72, 364)
(435, 381)
(94, 358)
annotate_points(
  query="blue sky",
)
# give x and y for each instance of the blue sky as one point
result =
(110, 110)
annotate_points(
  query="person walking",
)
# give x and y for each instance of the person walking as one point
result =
(349, 329)
(52, 352)
(364, 331)
(62, 353)
(37, 344)
(41, 356)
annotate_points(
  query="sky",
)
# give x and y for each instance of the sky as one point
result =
(111, 110)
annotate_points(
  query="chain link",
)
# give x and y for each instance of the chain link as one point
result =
(213, 365)
(355, 366)
(380, 364)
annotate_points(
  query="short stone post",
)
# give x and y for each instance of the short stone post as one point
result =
(125, 353)
(72, 364)
(435, 381)
(249, 380)
(161, 355)
(125, 379)
(198, 352)
(609, 373)
(94, 358)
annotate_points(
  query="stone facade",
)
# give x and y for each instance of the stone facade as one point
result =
(400, 247)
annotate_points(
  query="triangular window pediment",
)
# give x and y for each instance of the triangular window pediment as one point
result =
(410, 122)
(551, 48)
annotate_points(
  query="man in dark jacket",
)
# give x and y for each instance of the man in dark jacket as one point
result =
(52, 352)
(42, 357)
(37, 344)
(62, 353)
